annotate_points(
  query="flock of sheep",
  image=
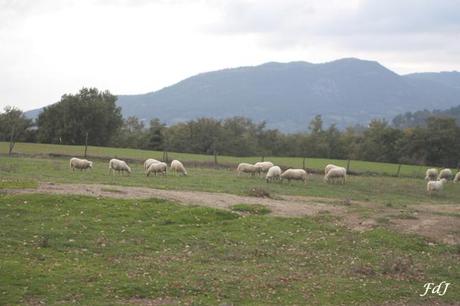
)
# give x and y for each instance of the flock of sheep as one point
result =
(332, 173)
(120, 166)
(437, 180)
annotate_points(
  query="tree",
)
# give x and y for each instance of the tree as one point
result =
(442, 141)
(156, 137)
(13, 126)
(380, 142)
(69, 120)
(132, 134)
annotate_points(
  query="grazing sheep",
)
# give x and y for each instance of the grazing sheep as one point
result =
(295, 174)
(445, 174)
(431, 174)
(155, 168)
(457, 177)
(118, 165)
(328, 167)
(81, 164)
(178, 167)
(263, 166)
(435, 186)
(247, 168)
(274, 173)
(150, 161)
(336, 174)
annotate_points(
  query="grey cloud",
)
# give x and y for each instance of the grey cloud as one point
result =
(404, 25)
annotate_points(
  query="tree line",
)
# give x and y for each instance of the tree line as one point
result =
(94, 114)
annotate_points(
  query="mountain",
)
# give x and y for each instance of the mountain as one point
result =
(448, 78)
(288, 95)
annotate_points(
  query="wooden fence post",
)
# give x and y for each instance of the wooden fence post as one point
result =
(12, 141)
(348, 166)
(215, 158)
(304, 162)
(399, 170)
(86, 143)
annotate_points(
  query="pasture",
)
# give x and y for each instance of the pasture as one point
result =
(93, 251)
(379, 189)
(99, 250)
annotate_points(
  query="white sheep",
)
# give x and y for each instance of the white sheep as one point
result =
(295, 174)
(274, 173)
(328, 167)
(81, 164)
(445, 174)
(435, 186)
(155, 168)
(118, 165)
(150, 161)
(336, 174)
(457, 177)
(178, 167)
(431, 174)
(263, 166)
(247, 168)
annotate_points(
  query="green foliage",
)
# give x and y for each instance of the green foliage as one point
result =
(419, 118)
(90, 111)
(13, 123)
(435, 144)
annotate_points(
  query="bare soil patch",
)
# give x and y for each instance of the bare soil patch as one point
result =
(440, 222)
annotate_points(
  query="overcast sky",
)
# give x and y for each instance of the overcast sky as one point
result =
(49, 47)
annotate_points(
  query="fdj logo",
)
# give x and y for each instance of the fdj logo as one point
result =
(439, 289)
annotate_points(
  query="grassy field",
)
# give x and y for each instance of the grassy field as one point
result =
(388, 190)
(97, 251)
(90, 251)
(295, 162)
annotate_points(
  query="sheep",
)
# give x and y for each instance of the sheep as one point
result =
(336, 174)
(457, 177)
(274, 173)
(247, 168)
(82, 164)
(328, 167)
(295, 174)
(178, 167)
(263, 166)
(118, 165)
(148, 162)
(435, 186)
(431, 174)
(155, 168)
(446, 174)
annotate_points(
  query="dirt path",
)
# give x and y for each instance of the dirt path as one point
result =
(284, 206)
(437, 222)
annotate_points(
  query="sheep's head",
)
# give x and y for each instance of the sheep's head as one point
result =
(91, 165)
(443, 180)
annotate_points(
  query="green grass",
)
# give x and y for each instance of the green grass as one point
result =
(397, 191)
(295, 162)
(17, 183)
(253, 209)
(92, 251)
